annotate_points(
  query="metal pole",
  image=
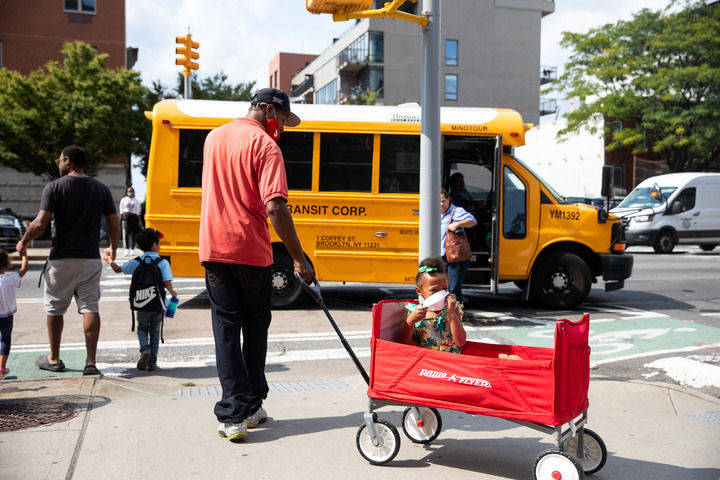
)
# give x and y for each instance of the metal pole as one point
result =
(430, 140)
(188, 88)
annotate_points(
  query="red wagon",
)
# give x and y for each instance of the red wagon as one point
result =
(546, 389)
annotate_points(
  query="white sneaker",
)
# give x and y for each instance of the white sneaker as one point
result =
(233, 431)
(256, 418)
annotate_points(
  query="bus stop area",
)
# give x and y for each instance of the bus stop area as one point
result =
(132, 424)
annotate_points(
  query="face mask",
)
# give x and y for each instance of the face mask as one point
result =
(272, 127)
(434, 302)
(131, 195)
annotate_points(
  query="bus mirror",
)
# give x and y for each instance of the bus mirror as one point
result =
(605, 189)
(656, 193)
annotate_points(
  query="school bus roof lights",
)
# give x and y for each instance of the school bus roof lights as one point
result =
(342, 10)
(187, 54)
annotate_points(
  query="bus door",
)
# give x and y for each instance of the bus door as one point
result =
(495, 250)
(469, 180)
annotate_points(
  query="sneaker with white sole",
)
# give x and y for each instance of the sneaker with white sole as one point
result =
(256, 418)
(233, 431)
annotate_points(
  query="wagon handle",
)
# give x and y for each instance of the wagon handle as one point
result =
(313, 288)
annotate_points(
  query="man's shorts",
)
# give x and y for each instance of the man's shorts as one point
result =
(68, 277)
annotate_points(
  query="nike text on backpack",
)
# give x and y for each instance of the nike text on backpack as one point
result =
(147, 290)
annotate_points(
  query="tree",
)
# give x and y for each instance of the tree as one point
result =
(660, 69)
(367, 97)
(215, 87)
(77, 102)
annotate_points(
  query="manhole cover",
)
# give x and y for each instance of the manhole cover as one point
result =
(25, 413)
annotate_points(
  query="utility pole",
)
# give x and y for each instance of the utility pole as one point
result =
(187, 55)
(430, 148)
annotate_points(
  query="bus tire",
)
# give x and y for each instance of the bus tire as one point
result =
(707, 247)
(561, 280)
(286, 289)
(665, 242)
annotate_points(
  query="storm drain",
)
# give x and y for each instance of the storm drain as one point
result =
(26, 413)
(707, 417)
(278, 387)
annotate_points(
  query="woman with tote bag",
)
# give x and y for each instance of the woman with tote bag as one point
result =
(454, 243)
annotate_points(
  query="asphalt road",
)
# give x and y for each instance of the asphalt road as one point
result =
(663, 326)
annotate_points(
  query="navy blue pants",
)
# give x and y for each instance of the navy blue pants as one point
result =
(6, 325)
(456, 276)
(240, 304)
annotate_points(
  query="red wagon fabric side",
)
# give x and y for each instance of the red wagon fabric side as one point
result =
(477, 381)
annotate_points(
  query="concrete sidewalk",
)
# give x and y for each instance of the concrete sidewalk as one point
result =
(144, 425)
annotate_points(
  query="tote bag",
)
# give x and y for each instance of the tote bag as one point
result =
(457, 246)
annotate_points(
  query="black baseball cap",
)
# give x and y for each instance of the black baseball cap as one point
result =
(278, 98)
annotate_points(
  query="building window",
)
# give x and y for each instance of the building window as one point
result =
(270, 81)
(376, 47)
(190, 157)
(514, 210)
(346, 162)
(1, 53)
(451, 87)
(399, 164)
(80, 6)
(327, 94)
(372, 79)
(297, 150)
(275, 81)
(451, 52)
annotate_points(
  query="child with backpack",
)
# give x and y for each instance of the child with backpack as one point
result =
(151, 275)
(9, 283)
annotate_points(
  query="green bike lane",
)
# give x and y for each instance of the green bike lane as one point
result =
(622, 335)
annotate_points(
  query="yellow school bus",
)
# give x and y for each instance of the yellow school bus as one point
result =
(353, 175)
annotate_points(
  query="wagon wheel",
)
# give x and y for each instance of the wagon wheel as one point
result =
(594, 453)
(387, 447)
(557, 465)
(421, 424)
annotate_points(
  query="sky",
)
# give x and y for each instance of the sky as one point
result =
(241, 37)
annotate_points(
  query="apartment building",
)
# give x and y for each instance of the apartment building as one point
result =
(490, 57)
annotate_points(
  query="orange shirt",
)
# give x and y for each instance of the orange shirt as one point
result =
(243, 169)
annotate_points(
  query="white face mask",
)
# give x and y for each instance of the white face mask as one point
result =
(434, 302)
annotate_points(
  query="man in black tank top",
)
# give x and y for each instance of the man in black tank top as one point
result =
(75, 203)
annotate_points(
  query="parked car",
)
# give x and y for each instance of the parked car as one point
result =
(12, 229)
(677, 208)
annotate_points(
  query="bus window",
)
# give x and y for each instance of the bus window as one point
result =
(399, 164)
(190, 161)
(297, 150)
(514, 209)
(346, 162)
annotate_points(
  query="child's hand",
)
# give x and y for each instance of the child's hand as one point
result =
(451, 304)
(417, 315)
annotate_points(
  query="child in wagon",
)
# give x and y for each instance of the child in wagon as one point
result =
(436, 322)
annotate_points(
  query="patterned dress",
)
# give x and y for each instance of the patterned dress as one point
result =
(435, 333)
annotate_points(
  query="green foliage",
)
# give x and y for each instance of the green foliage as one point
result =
(215, 87)
(661, 71)
(367, 97)
(77, 102)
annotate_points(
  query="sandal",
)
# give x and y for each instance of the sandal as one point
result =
(3, 373)
(43, 364)
(91, 370)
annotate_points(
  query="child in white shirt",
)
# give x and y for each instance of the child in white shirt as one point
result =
(9, 283)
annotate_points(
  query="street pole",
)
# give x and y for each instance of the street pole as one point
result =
(188, 88)
(430, 140)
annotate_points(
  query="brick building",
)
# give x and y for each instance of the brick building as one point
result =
(32, 32)
(283, 68)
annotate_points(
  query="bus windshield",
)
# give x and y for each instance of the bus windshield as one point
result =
(641, 198)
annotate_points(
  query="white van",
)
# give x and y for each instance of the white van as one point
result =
(677, 208)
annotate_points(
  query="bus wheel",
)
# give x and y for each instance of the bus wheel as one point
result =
(286, 289)
(561, 280)
(707, 247)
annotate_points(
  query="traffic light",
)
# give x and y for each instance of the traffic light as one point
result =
(187, 54)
